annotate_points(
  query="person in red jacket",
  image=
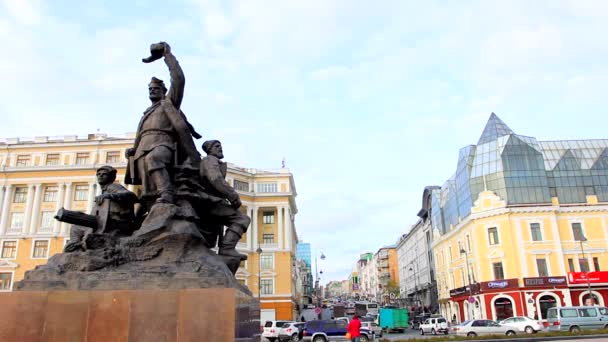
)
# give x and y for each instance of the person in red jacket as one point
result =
(354, 329)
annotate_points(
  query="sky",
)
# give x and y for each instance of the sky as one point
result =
(368, 102)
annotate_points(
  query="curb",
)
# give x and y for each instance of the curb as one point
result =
(604, 337)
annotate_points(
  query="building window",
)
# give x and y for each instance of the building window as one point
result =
(82, 158)
(268, 217)
(242, 282)
(493, 236)
(535, 232)
(267, 187)
(243, 264)
(498, 271)
(541, 265)
(16, 222)
(577, 231)
(9, 249)
(112, 157)
(20, 194)
(46, 221)
(81, 192)
(5, 281)
(266, 261)
(50, 194)
(23, 160)
(240, 185)
(596, 264)
(583, 264)
(571, 265)
(266, 286)
(268, 238)
(41, 249)
(52, 159)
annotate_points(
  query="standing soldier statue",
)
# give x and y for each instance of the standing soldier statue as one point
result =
(164, 135)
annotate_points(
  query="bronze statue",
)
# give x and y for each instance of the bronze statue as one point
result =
(226, 213)
(112, 213)
(164, 135)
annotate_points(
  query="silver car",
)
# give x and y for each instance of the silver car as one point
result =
(372, 326)
(523, 324)
(481, 327)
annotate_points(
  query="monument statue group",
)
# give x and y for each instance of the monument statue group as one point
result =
(165, 236)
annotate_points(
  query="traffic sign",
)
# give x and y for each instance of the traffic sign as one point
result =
(317, 310)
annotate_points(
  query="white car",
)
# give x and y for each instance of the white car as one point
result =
(482, 327)
(434, 325)
(272, 329)
(291, 331)
(372, 326)
(524, 324)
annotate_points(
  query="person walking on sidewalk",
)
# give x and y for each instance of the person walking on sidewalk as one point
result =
(354, 329)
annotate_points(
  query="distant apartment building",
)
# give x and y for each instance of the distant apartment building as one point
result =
(42, 174)
(388, 274)
(521, 226)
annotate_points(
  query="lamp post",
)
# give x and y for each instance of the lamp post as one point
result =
(259, 251)
(583, 239)
(317, 293)
(466, 256)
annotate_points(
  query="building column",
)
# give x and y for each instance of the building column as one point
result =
(2, 189)
(28, 209)
(280, 227)
(59, 205)
(250, 232)
(36, 209)
(8, 191)
(67, 203)
(254, 226)
(91, 199)
(288, 229)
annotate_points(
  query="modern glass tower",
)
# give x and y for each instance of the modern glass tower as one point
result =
(522, 171)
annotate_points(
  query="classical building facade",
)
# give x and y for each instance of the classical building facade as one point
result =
(388, 275)
(521, 226)
(40, 175)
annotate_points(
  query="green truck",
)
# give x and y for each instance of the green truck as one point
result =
(393, 319)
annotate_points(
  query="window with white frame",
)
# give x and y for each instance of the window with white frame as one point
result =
(9, 249)
(577, 231)
(499, 272)
(268, 217)
(267, 187)
(50, 193)
(112, 157)
(583, 263)
(20, 194)
(266, 286)
(541, 265)
(571, 265)
(52, 159)
(6, 280)
(493, 236)
(41, 249)
(266, 261)
(268, 238)
(16, 222)
(82, 158)
(535, 231)
(47, 219)
(23, 160)
(240, 185)
(81, 192)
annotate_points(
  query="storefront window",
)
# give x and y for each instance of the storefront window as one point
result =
(590, 301)
(504, 308)
(546, 302)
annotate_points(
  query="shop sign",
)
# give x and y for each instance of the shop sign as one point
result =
(544, 281)
(459, 291)
(588, 277)
(499, 284)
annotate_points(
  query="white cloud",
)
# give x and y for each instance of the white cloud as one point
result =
(25, 12)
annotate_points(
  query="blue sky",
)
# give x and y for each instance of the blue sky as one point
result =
(368, 102)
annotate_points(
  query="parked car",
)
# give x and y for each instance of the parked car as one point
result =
(330, 330)
(481, 327)
(272, 329)
(372, 326)
(434, 325)
(291, 332)
(523, 324)
(576, 318)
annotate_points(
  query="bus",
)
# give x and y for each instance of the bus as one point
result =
(366, 308)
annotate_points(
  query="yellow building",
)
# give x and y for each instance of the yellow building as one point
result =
(522, 226)
(43, 174)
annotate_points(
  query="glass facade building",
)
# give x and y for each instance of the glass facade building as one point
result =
(303, 252)
(522, 171)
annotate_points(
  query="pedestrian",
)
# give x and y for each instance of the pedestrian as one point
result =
(354, 329)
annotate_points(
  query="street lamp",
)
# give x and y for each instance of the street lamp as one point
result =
(581, 240)
(259, 251)
(317, 294)
(466, 256)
